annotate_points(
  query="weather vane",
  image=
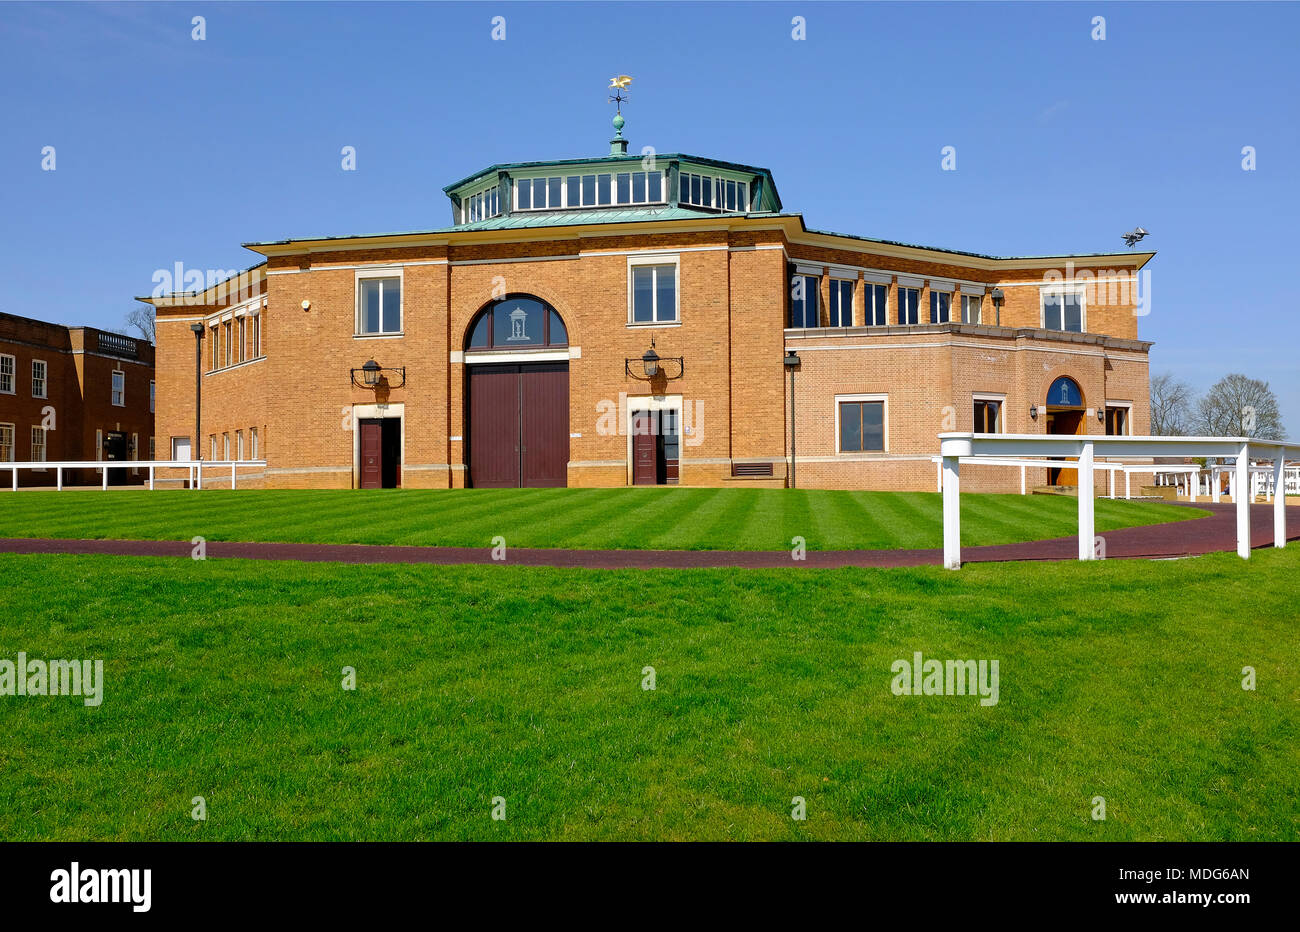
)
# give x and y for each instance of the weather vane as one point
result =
(620, 85)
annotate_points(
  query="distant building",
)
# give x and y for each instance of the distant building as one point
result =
(73, 393)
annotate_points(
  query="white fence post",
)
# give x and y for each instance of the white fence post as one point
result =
(1279, 498)
(232, 477)
(951, 513)
(1085, 502)
(58, 477)
(1241, 498)
(1022, 480)
(198, 482)
(1128, 485)
(103, 471)
(151, 478)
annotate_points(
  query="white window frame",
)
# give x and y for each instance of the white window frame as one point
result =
(884, 422)
(936, 294)
(45, 378)
(239, 444)
(212, 444)
(252, 443)
(13, 374)
(176, 453)
(867, 293)
(899, 290)
(225, 446)
(1128, 415)
(13, 442)
(1062, 290)
(660, 259)
(853, 301)
(257, 334)
(44, 445)
(113, 388)
(1001, 399)
(392, 271)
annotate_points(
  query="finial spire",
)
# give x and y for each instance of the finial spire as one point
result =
(618, 145)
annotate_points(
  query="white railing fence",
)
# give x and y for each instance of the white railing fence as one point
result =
(193, 468)
(1026, 450)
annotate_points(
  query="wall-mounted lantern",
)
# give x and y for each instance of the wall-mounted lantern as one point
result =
(1033, 412)
(998, 297)
(372, 373)
(652, 365)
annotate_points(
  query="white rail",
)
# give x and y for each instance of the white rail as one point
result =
(958, 448)
(194, 468)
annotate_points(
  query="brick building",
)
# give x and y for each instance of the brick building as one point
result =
(512, 347)
(73, 394)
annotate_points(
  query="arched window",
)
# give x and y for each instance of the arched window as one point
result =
(1065, 393)
(517, 322)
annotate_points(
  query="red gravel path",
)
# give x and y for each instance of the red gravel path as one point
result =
(1184, 538)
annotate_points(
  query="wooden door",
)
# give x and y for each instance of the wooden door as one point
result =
(1064, 422)
(372, 455)
(494, 427)
(544, 425)
(645, 449)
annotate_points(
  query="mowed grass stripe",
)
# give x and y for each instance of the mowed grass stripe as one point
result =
(222, 679)
(636, 518)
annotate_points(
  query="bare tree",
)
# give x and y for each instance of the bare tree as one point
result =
(1171, 406)
(141, 318)
(1237, 406)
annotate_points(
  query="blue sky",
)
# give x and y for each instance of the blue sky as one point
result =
(171, 150)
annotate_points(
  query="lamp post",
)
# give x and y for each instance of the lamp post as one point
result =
(998, 297)
(198, 388)
(791, 364)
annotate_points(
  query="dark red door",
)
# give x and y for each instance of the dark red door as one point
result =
(494, 427)
(645, 460)
(544, 426)
(519, 426)
(372, 458)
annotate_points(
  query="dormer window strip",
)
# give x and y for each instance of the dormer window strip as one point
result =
(591, 189)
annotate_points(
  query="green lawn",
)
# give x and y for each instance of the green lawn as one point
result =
(1117, 679)
(668, 519)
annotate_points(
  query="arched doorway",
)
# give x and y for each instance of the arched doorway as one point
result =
(1065, 412)
(517, 395)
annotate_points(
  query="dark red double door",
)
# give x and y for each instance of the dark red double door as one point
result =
(519, 426)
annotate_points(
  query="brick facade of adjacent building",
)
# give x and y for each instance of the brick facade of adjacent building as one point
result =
(77, 410)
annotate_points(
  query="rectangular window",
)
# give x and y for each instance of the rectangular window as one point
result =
(1117, 424)
(257, 335)
(7, 374)
(239, 444)
(225, 446)
(212, 438)
(841, 302)
(603, 190)
(228, 341)
(180, 449)
(38, 444)
(862, 426)
(119, 388)
(988, 416)
(6, 443)
(588, 190)
(654, 294)
(38, 378)
(554, 193)
(1063, 312)
(803, 300)
(875, 294)
(152, 396)
(379, 305)
(214, 340)
(624, 188)
(243, 337)
(970, 308)
(524, 196)
(909, 305)
(252, 443)
(151, 448)
(940, 307)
